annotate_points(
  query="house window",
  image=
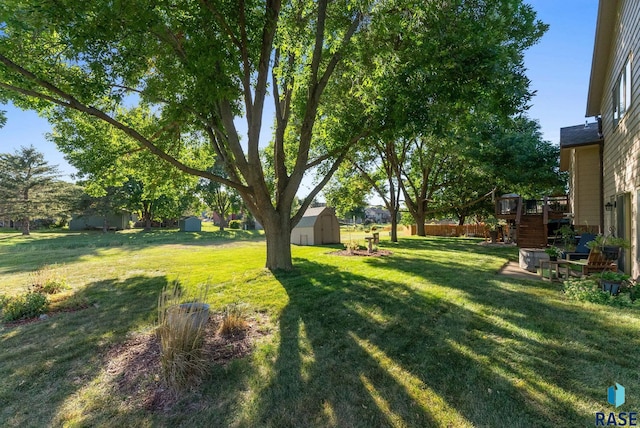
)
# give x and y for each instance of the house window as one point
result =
(622, 92)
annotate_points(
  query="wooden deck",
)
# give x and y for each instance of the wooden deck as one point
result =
(532, 217)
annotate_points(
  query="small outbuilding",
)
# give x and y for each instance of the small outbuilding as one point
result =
(119, 221)
(318, 226)
(190, 224)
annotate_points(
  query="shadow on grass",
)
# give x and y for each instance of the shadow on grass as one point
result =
(362, 352)
(51, 361)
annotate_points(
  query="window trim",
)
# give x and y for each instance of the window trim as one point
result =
(622, 92)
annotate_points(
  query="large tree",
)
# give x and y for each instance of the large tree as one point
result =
(421, 133)
(29, 187)
(199, 65)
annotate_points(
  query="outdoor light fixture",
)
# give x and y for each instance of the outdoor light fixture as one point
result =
(608, 206)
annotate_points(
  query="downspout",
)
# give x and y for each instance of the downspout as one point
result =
(601, 155)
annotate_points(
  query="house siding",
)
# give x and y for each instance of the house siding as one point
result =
(586, 186)
(622, 139)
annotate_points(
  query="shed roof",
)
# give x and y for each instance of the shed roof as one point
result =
(311, 215)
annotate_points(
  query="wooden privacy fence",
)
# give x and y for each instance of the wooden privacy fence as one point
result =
(450, 230)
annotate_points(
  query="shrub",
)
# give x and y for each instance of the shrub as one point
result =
(352, 246)
(233, 320)
(235, 224)
(28, 305)
(46, 280)
(181, 340)
(588, 290)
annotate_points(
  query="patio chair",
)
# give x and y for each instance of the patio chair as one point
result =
(581, 251)
(597, 262)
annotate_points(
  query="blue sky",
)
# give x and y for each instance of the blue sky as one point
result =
(558, 66)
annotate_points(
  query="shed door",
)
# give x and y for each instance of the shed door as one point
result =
(327, 231)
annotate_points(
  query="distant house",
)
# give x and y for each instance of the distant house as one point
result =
(190, 224)
(90, 222)
(581, 155)
(318, 226)
(613, 98)
(377, 214)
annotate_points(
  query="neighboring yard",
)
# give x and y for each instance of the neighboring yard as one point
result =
(429, 336)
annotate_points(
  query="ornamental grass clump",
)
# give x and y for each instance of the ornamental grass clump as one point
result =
(234, 320)
(181, 330)
(46, 280)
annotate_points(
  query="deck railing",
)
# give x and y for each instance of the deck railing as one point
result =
(515, 206)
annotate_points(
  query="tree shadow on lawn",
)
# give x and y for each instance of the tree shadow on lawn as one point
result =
(362, 352)
(581, 349)
(53, 361)
(66, 247)
(66, 361)
(452, 246)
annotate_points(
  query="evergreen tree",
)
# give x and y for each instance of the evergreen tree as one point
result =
(28, 186)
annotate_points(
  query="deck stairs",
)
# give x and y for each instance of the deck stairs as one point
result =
(532, 232)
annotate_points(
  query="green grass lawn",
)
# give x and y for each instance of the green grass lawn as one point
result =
(429, 336)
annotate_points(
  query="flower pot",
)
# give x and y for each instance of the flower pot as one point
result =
(194, 314)
(611, 287)
(493, 234)
(615, 288)
(553, 258)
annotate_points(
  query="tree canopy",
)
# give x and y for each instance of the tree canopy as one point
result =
(198, 66)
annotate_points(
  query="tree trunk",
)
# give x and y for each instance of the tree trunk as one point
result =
(25, 226)
(461, 219)
(146, 214)
(278, 234)
(420, 219)
(394, 225)
(105, 226)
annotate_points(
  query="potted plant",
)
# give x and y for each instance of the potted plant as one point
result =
(597, 244)
(493, 225)
(553, 252)
(611, 281)
(602, 242)
(568, 237)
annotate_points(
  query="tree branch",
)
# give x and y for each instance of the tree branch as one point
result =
(221, 21)
(272, 11)
(317, 161)
(68, 101)
(307, 201)
(282, 118)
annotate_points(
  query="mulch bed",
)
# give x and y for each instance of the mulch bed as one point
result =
(362, 253)
(134, 366)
